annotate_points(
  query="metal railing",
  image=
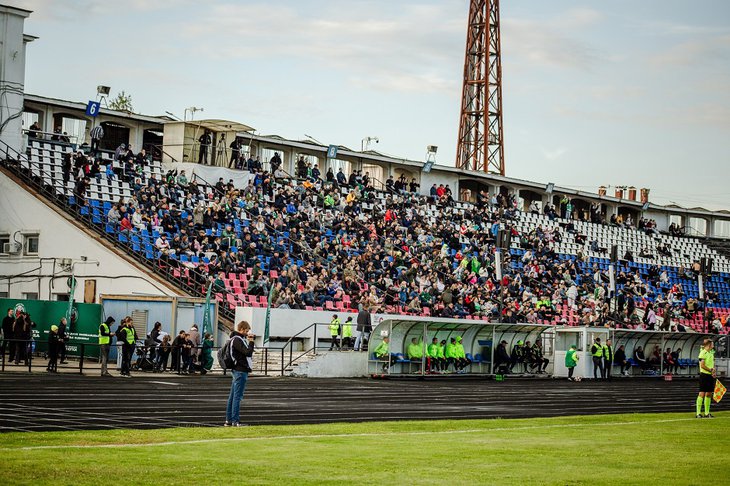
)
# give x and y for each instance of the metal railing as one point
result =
(146, 357)
(286, 364)
(14, 161)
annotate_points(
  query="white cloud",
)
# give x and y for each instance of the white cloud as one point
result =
(76, 10)
(538, 43)
(413, 48)
(553, 154)
(695, 52)
(579, 18)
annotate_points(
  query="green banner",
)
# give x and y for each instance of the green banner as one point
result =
(82, 327)
(207, 327)
(71, 293)
(268, 316)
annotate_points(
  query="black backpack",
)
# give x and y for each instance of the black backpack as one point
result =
(225, 355)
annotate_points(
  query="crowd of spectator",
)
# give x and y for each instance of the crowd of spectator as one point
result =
(319, 239)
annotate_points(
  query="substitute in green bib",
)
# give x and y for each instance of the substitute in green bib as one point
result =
(382, 352)
(450, 353)
(105, 339)
(432, 356)
(707, 378)
(571, 361)
(415, 350)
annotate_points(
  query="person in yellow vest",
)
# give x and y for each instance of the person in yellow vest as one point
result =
(607, 359)
(597, 353)
(105, 339)
(129, 337)
(335, 331)
(707, 378)
(347, 329)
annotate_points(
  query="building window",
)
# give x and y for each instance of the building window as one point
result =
(722, 229)
(4, 295)
(4, 244)
(30, 295)
(61, 297)
(31, 244)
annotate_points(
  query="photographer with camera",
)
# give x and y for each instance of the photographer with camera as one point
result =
(238, 354)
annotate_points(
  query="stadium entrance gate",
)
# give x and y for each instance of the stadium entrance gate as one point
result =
(477, 337)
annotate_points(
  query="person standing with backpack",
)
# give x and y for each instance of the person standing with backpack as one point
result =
(238, 354)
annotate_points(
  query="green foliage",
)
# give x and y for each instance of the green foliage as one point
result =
(122, 102)
(595, 450)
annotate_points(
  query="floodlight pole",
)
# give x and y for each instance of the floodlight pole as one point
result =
(498, 271)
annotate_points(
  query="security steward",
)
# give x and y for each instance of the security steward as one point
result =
(105, 339)
(128, 339)
(597, 353)
(347, 333)
(607, 359)
(335, 331)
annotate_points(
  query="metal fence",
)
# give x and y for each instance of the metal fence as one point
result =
(145, 358)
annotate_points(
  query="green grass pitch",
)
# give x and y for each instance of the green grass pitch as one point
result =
(598, 449)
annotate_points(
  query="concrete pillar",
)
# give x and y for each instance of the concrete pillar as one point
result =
(12, 68)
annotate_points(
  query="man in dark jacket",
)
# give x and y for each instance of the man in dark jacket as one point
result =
(7, 329)
(62, 338)
(205, 142)
(177, 345)
(501, 358)
(22, 333)
(53, 345)
(364, 328)
(241, 349)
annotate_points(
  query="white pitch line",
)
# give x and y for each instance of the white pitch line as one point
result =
(323, 436)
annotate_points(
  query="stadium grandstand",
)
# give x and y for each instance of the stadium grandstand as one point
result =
(267, 222)
(373, 300)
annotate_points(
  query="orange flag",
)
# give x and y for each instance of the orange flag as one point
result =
(719, 391)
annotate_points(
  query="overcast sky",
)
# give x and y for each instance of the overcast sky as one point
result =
(624, 92)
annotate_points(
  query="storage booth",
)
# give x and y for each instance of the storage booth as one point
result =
(583, 338)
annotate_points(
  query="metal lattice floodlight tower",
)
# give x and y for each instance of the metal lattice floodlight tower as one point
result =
(481, 143)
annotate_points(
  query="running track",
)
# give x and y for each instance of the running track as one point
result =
(37, 402)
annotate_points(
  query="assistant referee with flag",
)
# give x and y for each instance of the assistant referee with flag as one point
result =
(707, 378)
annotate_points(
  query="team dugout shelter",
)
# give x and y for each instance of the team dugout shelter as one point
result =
(477, 337)
(686, 344)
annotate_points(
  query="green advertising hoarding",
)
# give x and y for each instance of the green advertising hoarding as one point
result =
(83, 326)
